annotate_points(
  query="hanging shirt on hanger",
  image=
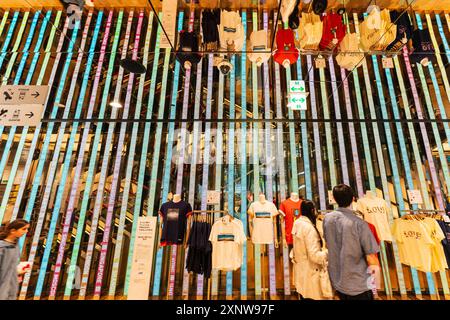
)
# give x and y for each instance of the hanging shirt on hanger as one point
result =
(263, 222)
(333, 31)
(174, 215)
(422, 48)
(404, 30)
(231, 31)
(226, 237)
(258, 44)
(376, 212)
(291, 211)
(310, 31)
(414, 243)
(350, 54)
(445, 227)
(286, 52)
(210, 30)
(438, 261)
(188, 48)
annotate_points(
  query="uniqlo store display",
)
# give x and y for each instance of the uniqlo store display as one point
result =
(192, 150)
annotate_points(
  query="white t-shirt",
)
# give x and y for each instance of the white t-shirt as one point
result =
(376, 212)
(231, 30)
(227, 237)
(263, 222)
(258, 44)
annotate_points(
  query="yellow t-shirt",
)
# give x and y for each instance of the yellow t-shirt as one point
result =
(415, 243)
(438, 260)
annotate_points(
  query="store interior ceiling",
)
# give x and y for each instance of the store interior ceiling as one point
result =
(353, 5)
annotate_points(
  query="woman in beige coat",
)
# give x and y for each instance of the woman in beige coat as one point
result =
(307, 255)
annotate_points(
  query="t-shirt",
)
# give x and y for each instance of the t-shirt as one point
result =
(263, 222)
(174, 215)
(258, 44)
(349, 241)
(414, 243)
(422, 47)
(231, 31)
(286, 49)
(227, 237)
(291, 211)
(374, 232)
(445, 227)
(376, 212)
(438, 261)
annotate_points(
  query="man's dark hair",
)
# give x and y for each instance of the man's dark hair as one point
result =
(343, 195)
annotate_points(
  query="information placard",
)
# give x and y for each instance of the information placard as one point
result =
(141, 267)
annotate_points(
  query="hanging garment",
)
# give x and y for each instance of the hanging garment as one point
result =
(388, 29)
(374, 232)
(174, 216)
(310, 31)
(308, 258)
(286, 52)
(319, 6)
(210, 29)
(419, 244)
(370, 31)
(422, 48)
(287, 7)
(200, 249)
(294, 20)
(263, 213)
(404, 30)
(227, 238)
(231, 31)
(187, 52)
(333, 31)
(258, 44)
(445, 227)
(376, 211)
(350, 54)
(291, 211)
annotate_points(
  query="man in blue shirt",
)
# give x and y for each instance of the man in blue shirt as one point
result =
(352, 248)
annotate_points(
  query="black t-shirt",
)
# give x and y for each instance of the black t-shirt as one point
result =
(174, 215)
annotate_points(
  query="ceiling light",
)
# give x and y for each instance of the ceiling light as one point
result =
(133, 66)
(115, 104)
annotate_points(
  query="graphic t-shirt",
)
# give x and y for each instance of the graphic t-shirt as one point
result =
(174, 215)
(227, 237)
(438, 261)
(414, 244)
(263, 222)
(376, 211)
(291, 211)
(258, 44)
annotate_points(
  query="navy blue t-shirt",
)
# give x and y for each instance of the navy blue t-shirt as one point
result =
(174, 215)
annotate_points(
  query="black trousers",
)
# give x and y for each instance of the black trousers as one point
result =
(368, 295)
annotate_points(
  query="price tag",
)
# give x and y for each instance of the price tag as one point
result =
(388, 63)
(320, 63)
(415, 197)
(213, 197)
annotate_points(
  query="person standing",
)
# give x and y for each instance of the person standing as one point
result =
(308, 256)
(352, 249)
(9, 258)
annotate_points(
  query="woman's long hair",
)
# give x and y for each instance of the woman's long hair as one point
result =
(13, 225)
(308, 209)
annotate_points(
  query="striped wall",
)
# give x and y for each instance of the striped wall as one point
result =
(83, 181)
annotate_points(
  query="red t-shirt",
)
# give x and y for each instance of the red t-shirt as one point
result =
(374, 231)
(286, 49)
(291, 210)
(332, 26)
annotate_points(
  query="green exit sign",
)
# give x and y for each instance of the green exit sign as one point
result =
(297, 86)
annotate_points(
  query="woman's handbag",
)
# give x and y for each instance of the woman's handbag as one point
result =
(325, 283)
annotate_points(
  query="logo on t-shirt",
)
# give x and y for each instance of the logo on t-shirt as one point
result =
(412, 234)
(263, 215)
(296, 213)
(172, 214)
(225, 237)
